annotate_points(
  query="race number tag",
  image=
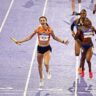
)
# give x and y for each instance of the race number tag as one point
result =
(44, 37)
(88, 34)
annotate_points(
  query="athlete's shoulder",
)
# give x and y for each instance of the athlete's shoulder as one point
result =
(38, 28)
(87, 19)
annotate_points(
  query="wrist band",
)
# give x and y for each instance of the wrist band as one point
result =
(63, 41)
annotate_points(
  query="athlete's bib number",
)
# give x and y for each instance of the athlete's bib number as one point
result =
(88, 34)
(44, 37)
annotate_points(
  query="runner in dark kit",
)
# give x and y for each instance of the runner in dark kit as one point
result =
(83, 37)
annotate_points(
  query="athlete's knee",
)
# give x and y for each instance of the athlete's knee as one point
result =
(46, 62)
(76, 54)
(88, 61)
(40, 65)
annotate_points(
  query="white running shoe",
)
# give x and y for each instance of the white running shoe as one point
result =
(41, 84)
(49, 75)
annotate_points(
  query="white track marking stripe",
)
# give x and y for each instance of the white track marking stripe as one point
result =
(6, 16)
(77, 63)
(44, 8)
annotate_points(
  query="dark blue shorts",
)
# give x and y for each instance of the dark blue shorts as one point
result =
(86, 46)
(44, 49)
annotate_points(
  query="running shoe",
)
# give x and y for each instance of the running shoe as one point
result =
(82, 74)
(41, 84)
(90, 74)
(49, 75)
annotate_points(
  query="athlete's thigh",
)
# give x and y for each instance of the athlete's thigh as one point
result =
(89, 54)
(39, 58)
(77, 47)
(47, 56)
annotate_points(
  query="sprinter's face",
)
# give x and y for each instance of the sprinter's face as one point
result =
(43, 21)
(83, 14)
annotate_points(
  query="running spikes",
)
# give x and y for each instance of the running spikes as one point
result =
(82, 74)
(90, 75)
(41, 84)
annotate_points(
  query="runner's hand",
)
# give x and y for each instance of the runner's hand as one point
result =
(66, 41)
(18, 43)
(73, 34)
(15, 41)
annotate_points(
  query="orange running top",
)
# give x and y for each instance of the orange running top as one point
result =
(43, 35)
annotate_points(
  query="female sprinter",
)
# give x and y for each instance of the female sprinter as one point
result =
(83, 37)
(78, 23)
(44, 49)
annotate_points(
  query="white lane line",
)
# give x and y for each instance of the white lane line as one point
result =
(33, 57)
(76, 79)
(77, 63)
(6, 16)
(44, 8)
(52, 89)
(6, 88)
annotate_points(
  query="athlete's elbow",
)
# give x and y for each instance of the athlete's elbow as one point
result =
(28, 39)
(54, 38)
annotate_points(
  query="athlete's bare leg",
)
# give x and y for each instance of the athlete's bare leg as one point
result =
(73, 6)
(88, 58)
(77, 48)
(47, 56)
(83, 58)
(77, 53)
(40, 62)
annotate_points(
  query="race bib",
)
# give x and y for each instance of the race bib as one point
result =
(88, 34)
(44, 37)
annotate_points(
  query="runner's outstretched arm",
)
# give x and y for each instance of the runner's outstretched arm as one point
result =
(58, 39)
(26, 38)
